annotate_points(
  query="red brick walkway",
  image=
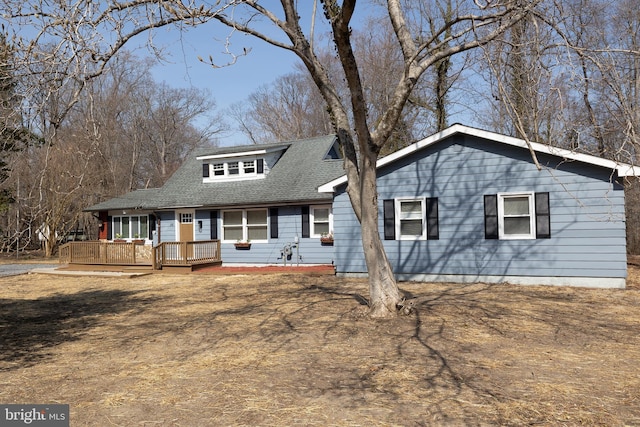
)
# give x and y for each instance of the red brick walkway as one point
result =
(271, 269)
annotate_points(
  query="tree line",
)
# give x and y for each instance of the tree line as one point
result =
(123, 132)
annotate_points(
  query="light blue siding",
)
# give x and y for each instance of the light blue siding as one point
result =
(204, 232)
(587, 215)
(167, 227)
(307, 250)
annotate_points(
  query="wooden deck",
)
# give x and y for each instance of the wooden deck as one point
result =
(130, 256)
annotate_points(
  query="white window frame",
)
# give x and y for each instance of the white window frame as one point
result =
(312, 221)
(217, 169)
(247, 168)
(130, 236)
(531, 215)
(399, 218)
(245, 226)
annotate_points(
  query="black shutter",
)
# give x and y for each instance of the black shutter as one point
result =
(543, 216)
(433, 232)
(108, 225)
(260, 167)
(306, 232)
(273, 222)
(152, 226)
(491, 216)
(213, 224)
(389, 214)
(205, 170)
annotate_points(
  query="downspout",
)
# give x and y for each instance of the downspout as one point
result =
(157, 217)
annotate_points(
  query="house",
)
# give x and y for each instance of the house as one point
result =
(467, 205)
(260, 201)
(463, 205)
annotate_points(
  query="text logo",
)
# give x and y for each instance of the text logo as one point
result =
(34, 415)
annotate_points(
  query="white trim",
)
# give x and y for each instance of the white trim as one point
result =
(178, 221)
(312, 222)
(242, 154)
(532, 215)
(232, 155)
(623, 169)
(397, 207)
(244, 225)
(241, 175)
(131, 233)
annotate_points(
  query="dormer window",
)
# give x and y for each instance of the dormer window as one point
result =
(233, 169)
(218, 169)
(238, 166)
(249, 166)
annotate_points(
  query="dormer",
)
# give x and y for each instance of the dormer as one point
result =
(237, 166)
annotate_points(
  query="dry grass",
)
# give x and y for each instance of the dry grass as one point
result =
(276, 350)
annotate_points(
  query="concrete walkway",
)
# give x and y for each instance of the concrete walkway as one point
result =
(56, 272)
(7, 270)
(21, 268)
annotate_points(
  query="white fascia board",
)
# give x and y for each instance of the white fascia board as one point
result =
(623, 169)
(330, 186)
(232, 155)
(240, 154)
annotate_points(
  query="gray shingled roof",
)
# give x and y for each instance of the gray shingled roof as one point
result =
(295, 178)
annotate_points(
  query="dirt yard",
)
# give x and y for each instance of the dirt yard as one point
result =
(284, 350)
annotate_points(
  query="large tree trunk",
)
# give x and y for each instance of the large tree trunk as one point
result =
(49, 241)
(384, 294)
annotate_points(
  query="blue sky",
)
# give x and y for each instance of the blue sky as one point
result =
(228, 85)
(263, 64)
(234, 83)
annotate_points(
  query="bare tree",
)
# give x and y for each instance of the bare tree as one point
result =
(167, 129)
(290, 108)
(13, 137)
(470, 25)
(569, 75)
(363, 142)
(94, 142)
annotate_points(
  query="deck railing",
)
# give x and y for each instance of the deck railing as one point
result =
(186, 253)
(108, 253)
(129, 253)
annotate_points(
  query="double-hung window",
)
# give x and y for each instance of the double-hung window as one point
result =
(516, 216)
(244, 225)
(410, 215)
(321, 221)
(233, 168)
(411, 219)
(510, 216)
(218, 169)
(249, 168)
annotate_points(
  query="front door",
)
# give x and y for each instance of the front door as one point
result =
(185, 224)
(185, 220)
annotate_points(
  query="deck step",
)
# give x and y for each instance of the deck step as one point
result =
(137, 268)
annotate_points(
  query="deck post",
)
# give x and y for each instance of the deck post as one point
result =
(185, 257)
